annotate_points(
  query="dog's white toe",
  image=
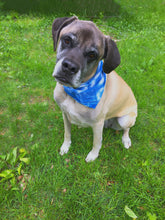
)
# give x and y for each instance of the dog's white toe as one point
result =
(64, 148)
(127, 142)
(91, 156)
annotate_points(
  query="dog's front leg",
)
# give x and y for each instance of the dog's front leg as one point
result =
(67, 135)
(97, 141)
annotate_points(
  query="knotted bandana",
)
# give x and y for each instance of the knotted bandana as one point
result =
(90, 92)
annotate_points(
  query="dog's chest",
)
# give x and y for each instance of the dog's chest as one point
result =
(76, 113)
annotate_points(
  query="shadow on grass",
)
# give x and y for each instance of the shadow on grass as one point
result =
(62, 7)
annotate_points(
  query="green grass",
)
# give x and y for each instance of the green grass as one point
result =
(67, 187)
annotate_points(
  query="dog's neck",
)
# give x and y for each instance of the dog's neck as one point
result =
(91, 91)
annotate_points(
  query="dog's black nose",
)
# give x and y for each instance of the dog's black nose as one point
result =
(69, 67)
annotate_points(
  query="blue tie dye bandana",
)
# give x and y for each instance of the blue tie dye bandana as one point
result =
(90, 92)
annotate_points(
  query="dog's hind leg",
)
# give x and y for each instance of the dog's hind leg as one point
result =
(126, 122)
(67, 135)
(126, 139)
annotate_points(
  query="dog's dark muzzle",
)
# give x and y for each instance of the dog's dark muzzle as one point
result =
(67, 72)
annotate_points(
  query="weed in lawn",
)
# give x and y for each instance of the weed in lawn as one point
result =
(11, 169)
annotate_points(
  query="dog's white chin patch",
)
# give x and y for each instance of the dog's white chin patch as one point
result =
(77, 80)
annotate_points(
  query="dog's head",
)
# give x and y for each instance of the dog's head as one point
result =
(80, 46)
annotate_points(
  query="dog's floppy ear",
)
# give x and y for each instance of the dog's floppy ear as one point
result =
(57, 26)
(111, 56)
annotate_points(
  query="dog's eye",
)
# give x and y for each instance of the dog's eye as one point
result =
(67, 41)
(92, 55)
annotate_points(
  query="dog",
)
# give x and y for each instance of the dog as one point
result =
(88, 90)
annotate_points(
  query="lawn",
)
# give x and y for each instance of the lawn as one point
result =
(35, 181)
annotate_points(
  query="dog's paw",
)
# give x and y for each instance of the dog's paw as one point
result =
(91, 156)
(127, 142)
(64, 148)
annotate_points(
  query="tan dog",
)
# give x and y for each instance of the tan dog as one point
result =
(80, 47)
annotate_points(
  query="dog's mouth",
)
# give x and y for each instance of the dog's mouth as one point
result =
(62, 80)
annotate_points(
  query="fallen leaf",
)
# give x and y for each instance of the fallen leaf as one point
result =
(109, 183)
(64, 190)
(141, 208)
(19, 117)
(20, 177)
(2, 133)
(129, 212)
(67, 160)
